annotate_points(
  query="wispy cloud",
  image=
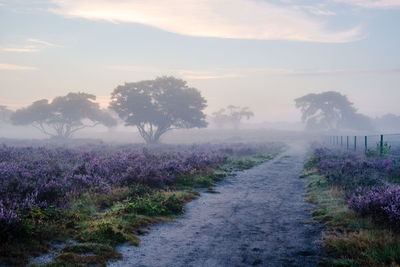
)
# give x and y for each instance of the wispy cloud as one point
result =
(316, 10)
(378, 4)
(33, 45)
(226, 73)
(24, 49)
(43, 43)
(183, 73)
(15, 67)
(243, 19)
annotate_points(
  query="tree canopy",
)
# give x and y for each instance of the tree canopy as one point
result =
(157, 106)
(331, 111)
(63, 116)
(231, 116)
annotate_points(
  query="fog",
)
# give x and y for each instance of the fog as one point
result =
(55, 48)
(199, 133)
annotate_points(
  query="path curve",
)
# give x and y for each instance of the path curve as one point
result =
(258, 219)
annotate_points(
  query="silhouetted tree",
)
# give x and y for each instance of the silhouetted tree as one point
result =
(331, 111)
(231, 115)
(157, 106)
(64, 115)
(5, 114)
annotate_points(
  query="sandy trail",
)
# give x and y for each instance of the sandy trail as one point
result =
(259, 218)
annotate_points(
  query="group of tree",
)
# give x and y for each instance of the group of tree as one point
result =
(166, 103)
(63, 116)
(332, 111)
(231, 116)
(153, 106)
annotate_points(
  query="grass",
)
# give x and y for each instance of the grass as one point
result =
(98, 222)
(351, 240)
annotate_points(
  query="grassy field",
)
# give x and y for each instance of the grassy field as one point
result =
(100, 221)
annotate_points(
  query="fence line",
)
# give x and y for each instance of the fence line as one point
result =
(382, 142)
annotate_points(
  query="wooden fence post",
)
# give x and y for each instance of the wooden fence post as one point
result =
(355, 143)
(347, 142)
(366, 144)
(381, 145)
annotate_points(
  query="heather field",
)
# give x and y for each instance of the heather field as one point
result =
(357, 198)
(97, 196)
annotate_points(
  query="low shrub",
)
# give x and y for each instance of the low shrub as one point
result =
(381, 203)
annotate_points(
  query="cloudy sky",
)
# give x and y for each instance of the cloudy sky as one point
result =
(255, 53)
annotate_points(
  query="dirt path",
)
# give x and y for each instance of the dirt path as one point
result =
(257, 219)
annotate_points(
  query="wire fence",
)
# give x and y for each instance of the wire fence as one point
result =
(379, 144)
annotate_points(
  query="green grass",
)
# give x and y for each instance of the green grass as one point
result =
(98, 222)
(351, 240)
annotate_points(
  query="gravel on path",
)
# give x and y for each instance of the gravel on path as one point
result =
(258, 218)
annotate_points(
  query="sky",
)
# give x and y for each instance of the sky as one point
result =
(256, 53)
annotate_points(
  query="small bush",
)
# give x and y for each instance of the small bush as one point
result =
(158, 205)
(139, 190)
(383, 204)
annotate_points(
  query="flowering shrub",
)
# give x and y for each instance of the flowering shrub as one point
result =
(365, 180)
(45, 177)
(382, 203)
(351, 170)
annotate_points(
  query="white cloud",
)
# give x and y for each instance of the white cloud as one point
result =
(23, 49)
(318, 11)
(243, 19)
(379, 4)
(34, 45)
(15, 67)
(43, 43)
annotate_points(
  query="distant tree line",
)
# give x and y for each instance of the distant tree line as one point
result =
(332, 111)
(153, 106)
(157, 106)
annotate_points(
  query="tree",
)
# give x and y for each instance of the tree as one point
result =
(5, 114)
(331, 111)
(63, 116)
(157, 106)
(232, 115)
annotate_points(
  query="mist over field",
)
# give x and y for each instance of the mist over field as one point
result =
(56, 47)
(199, 133)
